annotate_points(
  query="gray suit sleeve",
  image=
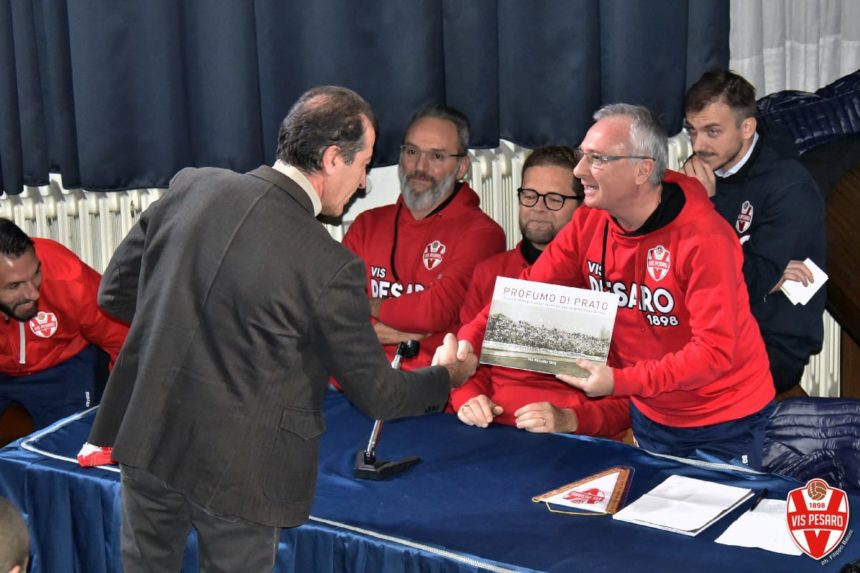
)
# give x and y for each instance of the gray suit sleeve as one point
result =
(119, 284)
(348, 346)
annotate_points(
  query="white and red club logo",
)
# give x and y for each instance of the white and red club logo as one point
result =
(433, 254)
(44, 324)
(658, 262)
(817, 516)
(745, 217)
(591, 495)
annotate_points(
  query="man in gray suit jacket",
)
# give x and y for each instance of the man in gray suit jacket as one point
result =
(241, 305)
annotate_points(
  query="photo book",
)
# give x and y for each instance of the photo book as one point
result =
(546, 328)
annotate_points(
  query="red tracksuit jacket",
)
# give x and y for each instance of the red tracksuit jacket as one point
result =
(433, 259)
(685, 348)
(511, 388)
(69, 318)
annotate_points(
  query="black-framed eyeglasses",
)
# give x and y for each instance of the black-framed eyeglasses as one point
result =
(599, 160)
(411, 153)
(553, 201)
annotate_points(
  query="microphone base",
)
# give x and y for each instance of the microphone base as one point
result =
(379, 470)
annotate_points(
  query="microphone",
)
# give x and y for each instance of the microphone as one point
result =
(406, 349)
(366, 464)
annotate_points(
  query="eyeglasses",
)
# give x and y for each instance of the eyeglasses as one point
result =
(599, 161)
(411, 153)
(553, 201)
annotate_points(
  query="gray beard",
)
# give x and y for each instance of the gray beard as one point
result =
(421, 201)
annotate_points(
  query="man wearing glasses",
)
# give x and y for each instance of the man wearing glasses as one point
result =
(686, 348)
(534, 401)
(420, 252)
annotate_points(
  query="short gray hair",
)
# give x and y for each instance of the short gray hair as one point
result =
(647, 134)
(448, 113)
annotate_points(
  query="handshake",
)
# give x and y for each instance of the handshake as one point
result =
(460, 360)
(458, 357)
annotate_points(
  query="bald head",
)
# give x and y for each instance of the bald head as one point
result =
(322, 117)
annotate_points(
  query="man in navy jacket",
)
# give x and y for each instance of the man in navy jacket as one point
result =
(774, 206)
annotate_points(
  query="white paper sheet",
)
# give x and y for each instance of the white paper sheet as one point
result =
(764, 527)
(683, 505)
(799, 294)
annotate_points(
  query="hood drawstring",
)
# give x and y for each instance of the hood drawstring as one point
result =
(638, 281)
(603, 257)
(394, 243)
(22, 354)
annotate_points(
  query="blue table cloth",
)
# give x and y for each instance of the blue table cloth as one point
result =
(466, 507)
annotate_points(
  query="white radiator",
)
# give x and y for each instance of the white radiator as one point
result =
(495, 175)
(90, 224)
(822, 374)
(93, 223)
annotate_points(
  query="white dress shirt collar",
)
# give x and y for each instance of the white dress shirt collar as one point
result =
(737, 166)
(302, 181)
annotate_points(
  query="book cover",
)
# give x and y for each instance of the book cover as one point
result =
(546, 328)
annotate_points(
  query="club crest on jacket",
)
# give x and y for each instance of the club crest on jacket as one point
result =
(658, 262)
(745, 217)
(44, 324)
(433, 254)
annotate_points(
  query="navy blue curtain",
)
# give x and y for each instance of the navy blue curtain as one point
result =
(118, 94)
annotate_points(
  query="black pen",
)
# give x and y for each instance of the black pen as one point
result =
(760, 496)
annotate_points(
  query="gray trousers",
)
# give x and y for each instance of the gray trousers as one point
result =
(156, 520)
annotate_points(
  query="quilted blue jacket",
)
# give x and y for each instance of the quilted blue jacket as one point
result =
(815, 437)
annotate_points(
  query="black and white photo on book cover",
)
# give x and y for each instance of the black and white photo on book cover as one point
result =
(546, 328)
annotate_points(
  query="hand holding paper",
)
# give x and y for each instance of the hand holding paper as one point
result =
(801, 280)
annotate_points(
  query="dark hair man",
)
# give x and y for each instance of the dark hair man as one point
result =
(241, 306)
(533, 401)
(775, 208)
(52, 332)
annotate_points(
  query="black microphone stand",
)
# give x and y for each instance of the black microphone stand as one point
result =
(366, 464)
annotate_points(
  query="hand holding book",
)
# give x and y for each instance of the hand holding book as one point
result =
(600, 380)
(551, 328)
